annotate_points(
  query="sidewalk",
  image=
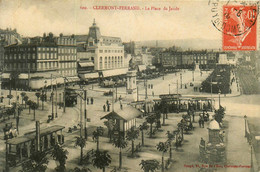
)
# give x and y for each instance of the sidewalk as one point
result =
(238, 150)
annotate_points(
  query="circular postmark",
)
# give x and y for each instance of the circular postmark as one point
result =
(233, 18)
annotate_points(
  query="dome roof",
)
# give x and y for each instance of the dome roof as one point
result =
(213, 125)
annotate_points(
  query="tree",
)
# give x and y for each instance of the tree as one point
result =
(29, 103)
(121, 143)
(131, 135)
(151, 119)
(25, 98)
(37, 163)
(38, 94)
(143, 127)
(162, 147)
(96, 134)
(23, 94)
(34, 106)
(171, 137)
(59, 154)
(101, 159)
(149, 165)
(81, 142)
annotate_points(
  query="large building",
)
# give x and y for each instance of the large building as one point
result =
(107, 52)
(187, 59)
(41, 62)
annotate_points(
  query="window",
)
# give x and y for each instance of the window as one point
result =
(100, 63)
(100, 51)
(106, 63)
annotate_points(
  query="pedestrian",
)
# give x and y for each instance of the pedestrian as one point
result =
(104, 108)
(108, 107)
(121, 106)
(87, 100)
(193, 116)
(107, 102)
(202, 122)
(92, 100)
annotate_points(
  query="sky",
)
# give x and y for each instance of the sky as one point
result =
(34, 17)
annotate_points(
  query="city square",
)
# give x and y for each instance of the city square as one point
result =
(86, 102)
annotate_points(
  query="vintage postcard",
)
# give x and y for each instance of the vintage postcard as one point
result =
(129, 86)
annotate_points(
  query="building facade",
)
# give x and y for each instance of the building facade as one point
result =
(67, 56)
(107, 52)
(41, 62)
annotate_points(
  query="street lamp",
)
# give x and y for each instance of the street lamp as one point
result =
(245, 117)
(169, 88)
(193, 75)
(219, 92)
(181, 79)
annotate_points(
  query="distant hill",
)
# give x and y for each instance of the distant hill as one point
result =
(194, 44)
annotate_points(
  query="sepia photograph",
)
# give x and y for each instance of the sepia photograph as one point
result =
(129, 86)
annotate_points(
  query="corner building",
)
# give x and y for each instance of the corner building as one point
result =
(107, 52)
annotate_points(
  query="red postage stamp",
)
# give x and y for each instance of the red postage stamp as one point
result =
(239, 28)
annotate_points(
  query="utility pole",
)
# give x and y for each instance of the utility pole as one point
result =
(6, 157)
(80, 116)
(56, 101)
(137, 92)
(29, 78)
(193, 75)
(113, 98)
(64, 95)
(211, 91)
(60, 100)
(52, 110)
(146, 97)
(85, 114)
(181, 79)
(38, 139)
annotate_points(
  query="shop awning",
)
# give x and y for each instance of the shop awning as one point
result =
(141, 68)
(23, 76)
(90, 75)
(115, 72)
(72, 79)
(6, 75)
(86, 64)
(45, 75)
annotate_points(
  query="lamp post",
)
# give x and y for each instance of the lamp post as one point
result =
(245, 117)
(59, 100)
(169, 88)
(56, 101)
(219, 92)
(193, 75)
(181, 79)
(252, 163)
